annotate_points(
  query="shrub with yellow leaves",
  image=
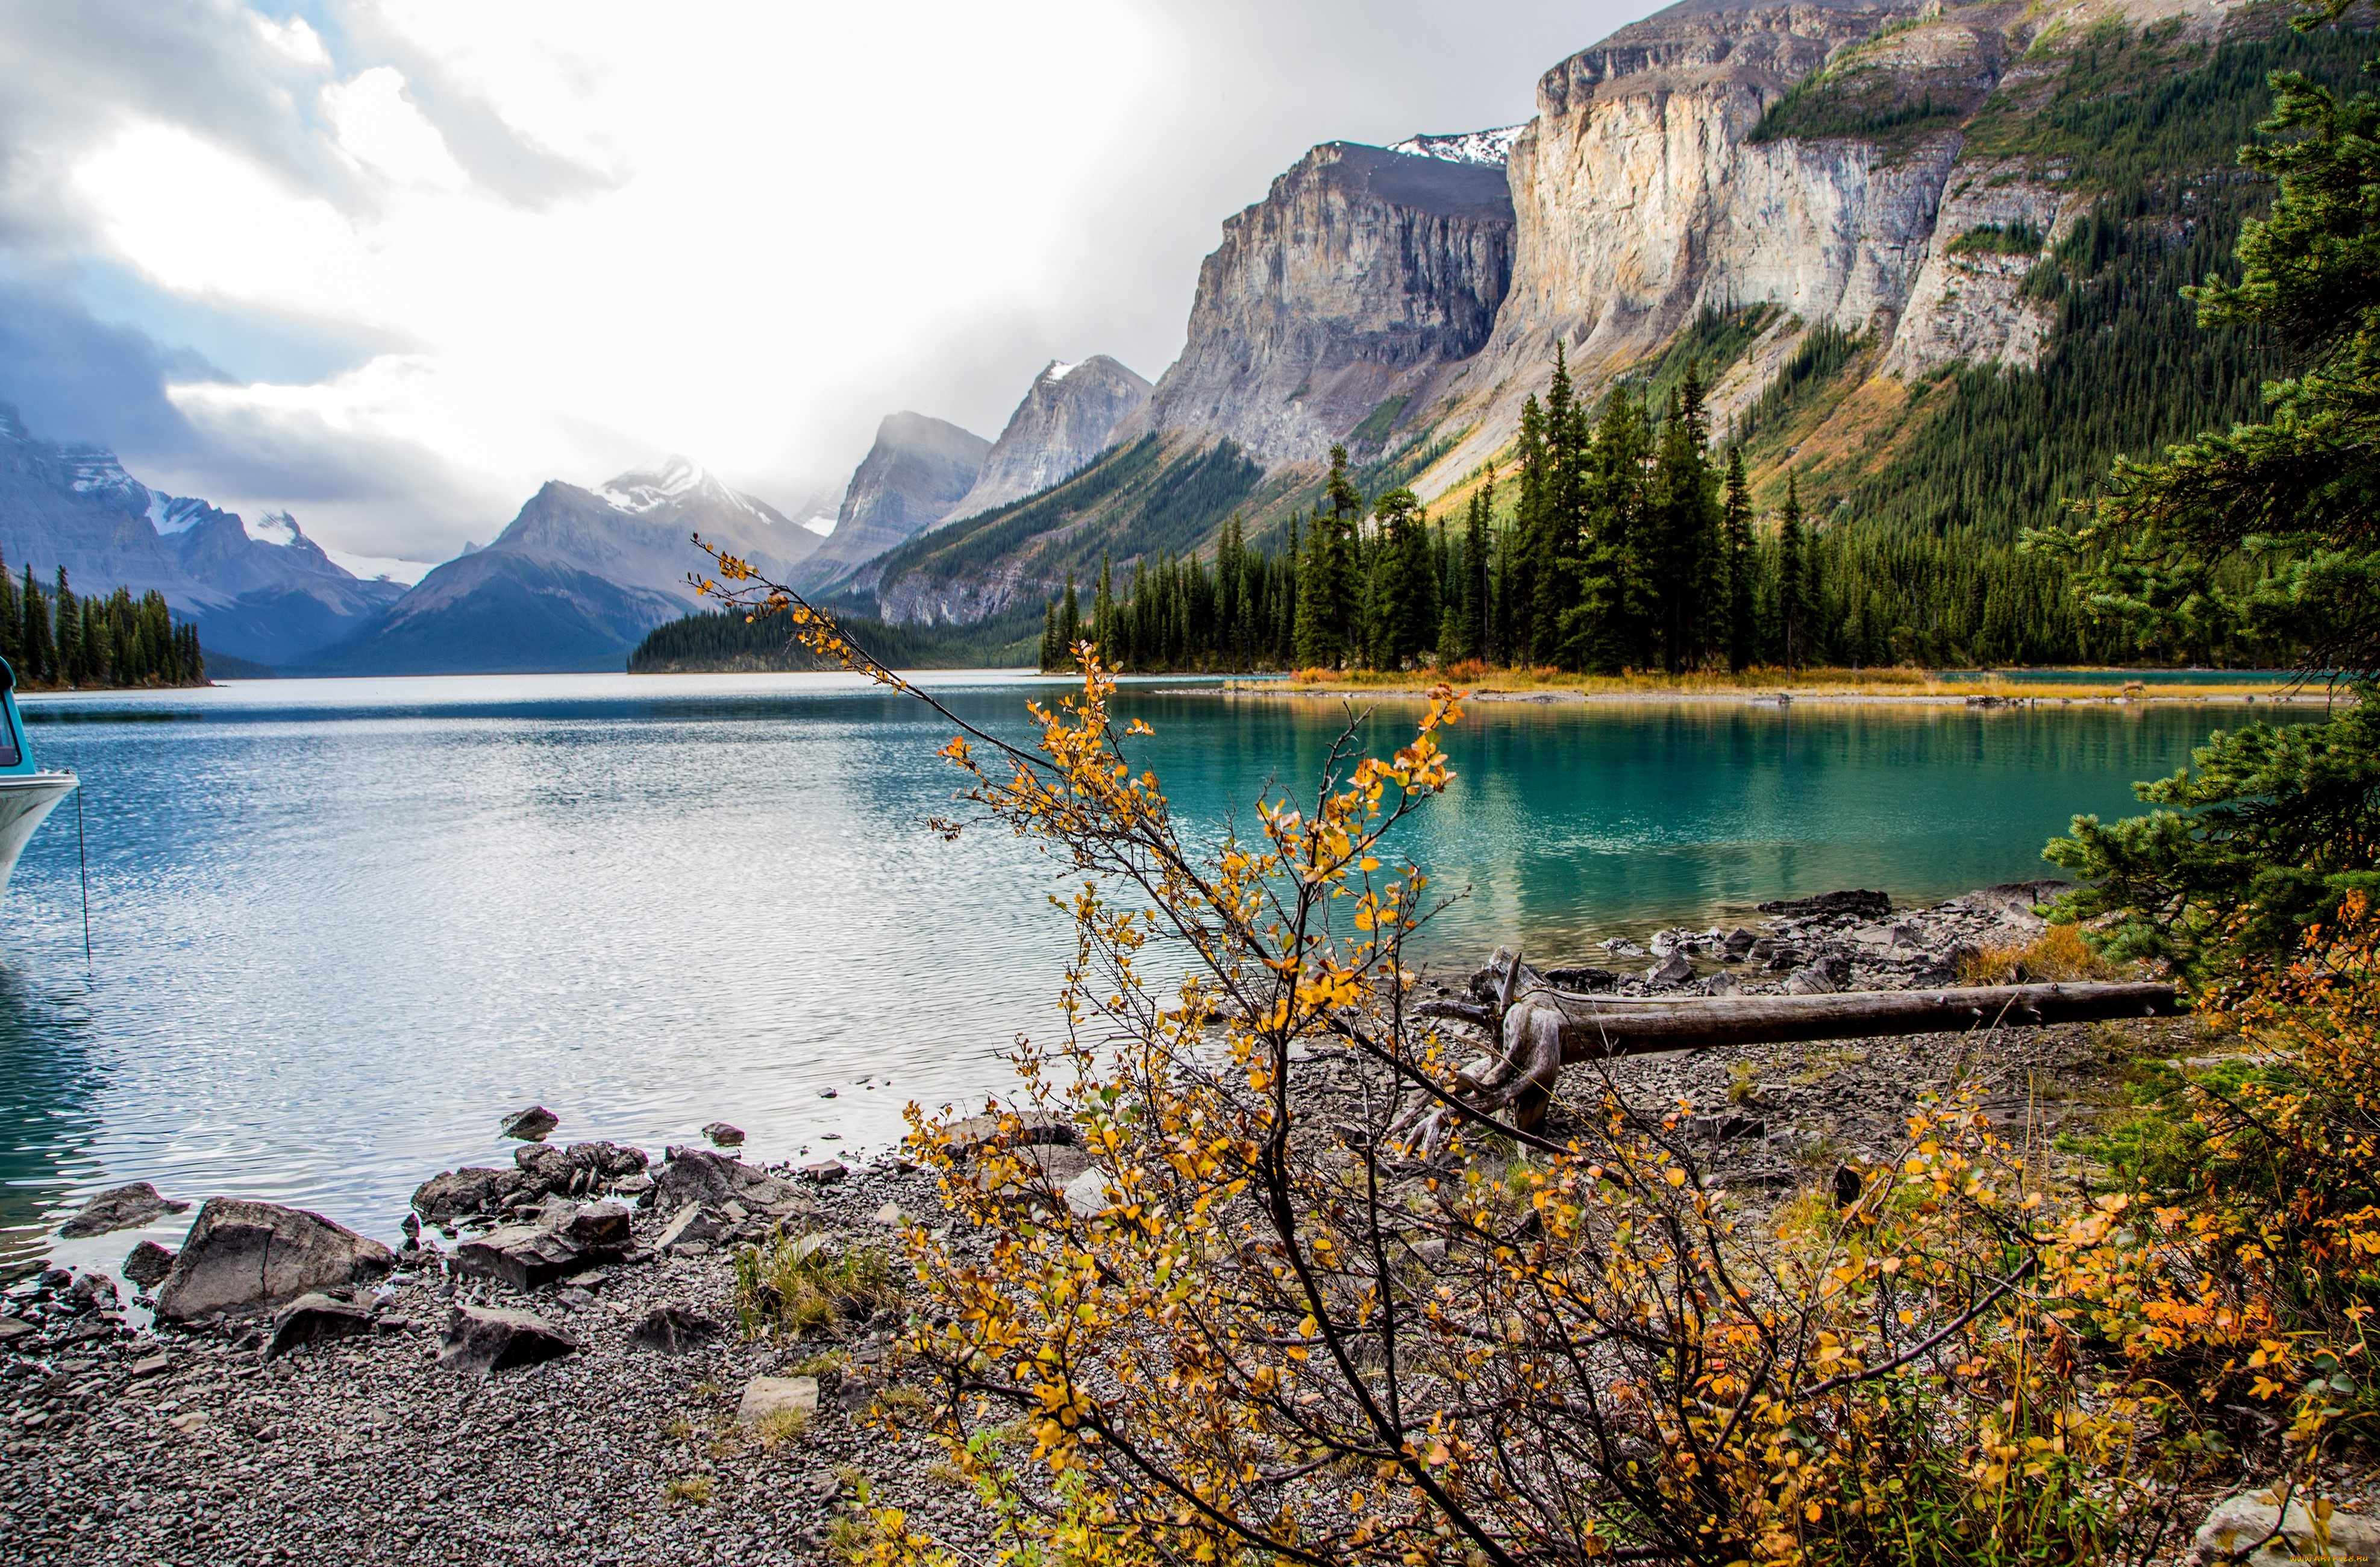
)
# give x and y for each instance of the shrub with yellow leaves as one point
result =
(1252, 1333)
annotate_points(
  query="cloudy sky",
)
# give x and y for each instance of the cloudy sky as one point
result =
(391, 265)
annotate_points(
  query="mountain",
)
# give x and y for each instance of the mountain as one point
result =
(1069, 415)
(260, 591)
(918, 470)
(1351, 293)
(1927, 257)
(575, 581)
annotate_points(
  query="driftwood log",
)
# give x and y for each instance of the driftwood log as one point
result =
(1541, 1029)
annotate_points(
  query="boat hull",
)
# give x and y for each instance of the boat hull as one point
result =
(25, 800)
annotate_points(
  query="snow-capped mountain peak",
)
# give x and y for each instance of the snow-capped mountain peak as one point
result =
(1059, 370)
(1490, 147)
(272, 528)
(648, 489)
(645, 489)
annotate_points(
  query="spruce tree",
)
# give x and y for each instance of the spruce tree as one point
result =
(39, 663)
(1738, 630)
(1069, 618)
(1329, 596)
(1472, 616)
(1103, 607)
(2264, 530)
(1792, 602)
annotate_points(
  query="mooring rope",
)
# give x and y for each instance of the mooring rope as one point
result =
(82, 856)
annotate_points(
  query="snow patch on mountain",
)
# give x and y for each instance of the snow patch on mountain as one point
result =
(93, 471)
(1493, 148)
(272, 528)
(170, 515)
(1058, 370)
(822, 526)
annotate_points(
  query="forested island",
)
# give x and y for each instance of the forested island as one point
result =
(59, 641)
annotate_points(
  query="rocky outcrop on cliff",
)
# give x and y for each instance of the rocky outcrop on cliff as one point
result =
(918, 470)
(1068, 417)
(1345, 297)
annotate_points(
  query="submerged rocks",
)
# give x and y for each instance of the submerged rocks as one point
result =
(724, 1135)
(119, 1207)
(241, 1254)
(146, 1263)
(530, 1125)
(482, 1341)
(313, 1316)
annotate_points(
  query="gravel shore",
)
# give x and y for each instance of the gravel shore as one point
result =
(124, 1441)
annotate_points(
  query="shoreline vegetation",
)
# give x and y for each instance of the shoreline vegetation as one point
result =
(2028, 688)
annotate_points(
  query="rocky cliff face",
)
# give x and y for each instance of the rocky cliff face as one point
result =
(917, 471)
(1068, 417)
(1642, 193)
(1346, 296)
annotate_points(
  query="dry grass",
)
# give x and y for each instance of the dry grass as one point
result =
(797, 1288)
(903, 1402)
(2056, 956)
(691, 1490)
(779, 1426)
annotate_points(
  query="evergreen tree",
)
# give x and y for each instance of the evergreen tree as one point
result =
(1470, 613)
(1069, 620)
(1407, 608)
(1736, 631)
(41, 665)
(2269, 829)
(1329, 596)
(1793, 602)
(1103, 609)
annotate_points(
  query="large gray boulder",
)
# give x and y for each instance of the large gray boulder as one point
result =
(459, 1194)
(486, 1339)
(313, 1317)
(698, 1175)
(2240, 1522)
(242, 1256)
(120, 1208)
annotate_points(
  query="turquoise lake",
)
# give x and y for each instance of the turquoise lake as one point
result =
(339, 927)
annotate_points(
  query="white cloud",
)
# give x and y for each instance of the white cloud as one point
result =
(381, 131)
(780, 222)
(295, 40)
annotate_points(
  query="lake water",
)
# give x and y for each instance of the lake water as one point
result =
(339, 927)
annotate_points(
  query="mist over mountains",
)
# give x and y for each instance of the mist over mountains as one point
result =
(1858, 218)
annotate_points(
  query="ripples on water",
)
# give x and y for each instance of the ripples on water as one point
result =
(341, 926)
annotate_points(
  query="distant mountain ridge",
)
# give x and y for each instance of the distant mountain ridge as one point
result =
(259, 591)
(575, 581)
(917, 469)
